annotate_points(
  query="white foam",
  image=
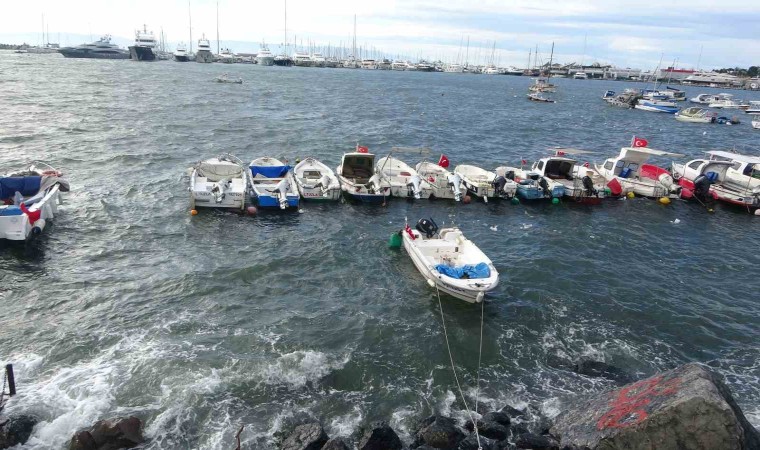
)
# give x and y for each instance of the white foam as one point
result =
(346, 424)
(300, 367)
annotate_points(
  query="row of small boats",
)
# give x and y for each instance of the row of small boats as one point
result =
(226, 182)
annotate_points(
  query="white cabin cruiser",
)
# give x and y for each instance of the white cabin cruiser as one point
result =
(316, 181)
(695, 114)
(630, 171)
(264, 57)
(358, 180)
(726, 101)
(450, 261)
(219, 182)
(180, 54)
(581, 183)
(273, 184)
(479, 182)
(403, 180)
(29, 199)
(444, 183)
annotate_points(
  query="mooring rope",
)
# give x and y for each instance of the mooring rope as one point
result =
(454, 370)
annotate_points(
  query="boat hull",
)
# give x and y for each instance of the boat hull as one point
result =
(204, 56)
(532, 192)
(85, 53)
(15, 225)
(141, 53)
(181, 58)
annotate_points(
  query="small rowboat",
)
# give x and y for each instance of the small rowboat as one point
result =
(537, 97)
(316, 181)
(450, 261)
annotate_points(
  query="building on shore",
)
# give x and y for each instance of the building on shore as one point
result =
(713, 79)
(671, 73)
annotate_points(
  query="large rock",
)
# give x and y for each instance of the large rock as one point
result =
(337, 443)
(600, 369)
(440, 432)
(490, 429)
(536, 442)
(109, 435)
(309, 436)
(471, 443)
(15, 430)
(685, 408)
(379, 436)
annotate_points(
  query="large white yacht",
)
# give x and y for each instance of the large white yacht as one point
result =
(265, 57)
(317, 60)
(180, 54)
(302, 59)
(145, 43)
(204, 54)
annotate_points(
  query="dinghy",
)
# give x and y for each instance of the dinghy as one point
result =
(357, 179)
(580, 183)
(225, 78)
(403, 180)
(272, 184)
(450, 261)
(482, 183)
(316, 181)
(30, 199)
(531, 185)
(444, 183)
(218, 182)
(539, 97)
(633, 174)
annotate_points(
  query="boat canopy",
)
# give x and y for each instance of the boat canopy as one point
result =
(26, 185)
(734, 156)
(270, 171)
(419, 150)
(648, 151)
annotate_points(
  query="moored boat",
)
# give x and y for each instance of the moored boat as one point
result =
(272, 184)
(449, 261)
(100, 49)
(444, 183)
(482, 183)
(180, 54)
(316, 181)
(539, 97)
(29, 199)
(144, 46)
(226, 78)
(530, 185)
(661, 106)
(631, 171)
(695, 115)
(219, 182)
(404, 181)
(581, 184)
(358, 180)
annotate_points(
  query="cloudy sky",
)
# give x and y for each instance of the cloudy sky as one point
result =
(628, 33)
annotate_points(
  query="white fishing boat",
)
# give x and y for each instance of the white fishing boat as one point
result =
(272, 184)
(695, 114)
(480, 182)
(530, 185)
(444, 183)
(660, 106)
(358, 180)
(403, 180)
(581, 184)
(219, 182)
(580, 76)
(29, 199)
(316, 181)
(630, 171)
(450, 261)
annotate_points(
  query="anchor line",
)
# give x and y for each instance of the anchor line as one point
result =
(453, 366)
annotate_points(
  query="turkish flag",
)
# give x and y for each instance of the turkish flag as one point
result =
(408, 230)
(361, 149)
(560, 153)
(443, 161)
(586, 164)
(639, 142)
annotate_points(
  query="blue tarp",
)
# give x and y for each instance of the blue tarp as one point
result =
(270, 171)
(26, 185)
(480, 270)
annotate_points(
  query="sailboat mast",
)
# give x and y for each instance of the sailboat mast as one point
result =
(190, 17)
(551, 56)
(354, 49)
(217, 27)
(286, 27)
(467, 53)
(701, 47)
(43, 31)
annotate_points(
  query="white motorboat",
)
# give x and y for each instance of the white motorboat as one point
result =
(661, 106)
(29, 199)
(302, 59)
(272, 184)
(226, 78)
(542, 85)
(581, 184)
(226, 56)
(444, 183)
(530, 185)
(369, 64)
(398, 65)
(264, 57)
(706, 99)
(318, 60)
(180, 54)
(219, 182)
(450, 261)
(539, 97)
(204, 54)
(753, 107)
(695, 114)
(491, 70)
(630, 171)
(358, 180)
(316, 181)
(454, 68)
(480, 182)
(403, 180)
(726, 101)
(580, 76)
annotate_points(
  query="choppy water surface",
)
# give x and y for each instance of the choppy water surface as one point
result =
(127, 305)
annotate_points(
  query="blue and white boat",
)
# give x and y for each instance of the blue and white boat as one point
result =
(358, 180)
(272, 184)
(661, 106)
(531, 185)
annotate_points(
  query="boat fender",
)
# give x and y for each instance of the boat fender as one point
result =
(431, 283)
(39, 225)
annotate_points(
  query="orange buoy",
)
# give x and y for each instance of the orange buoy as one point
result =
(193, 212)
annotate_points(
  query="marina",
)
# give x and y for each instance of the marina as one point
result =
(200, 323)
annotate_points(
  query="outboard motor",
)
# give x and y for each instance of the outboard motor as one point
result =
(373, 185)
(282, 193)
(702, 187)
(324, 183)
(498, 185)
(414, 184)
(544, 185)
(510, 175)
(428, 227)
(455, 181)
(219, 189)
(588, 186)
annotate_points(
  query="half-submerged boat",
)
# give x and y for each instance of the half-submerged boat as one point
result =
(403, 180)
(450, 261)
(531, 185)
(358, 180)
(695, 114)
(219, 182)
(482, 183)
(272, 184)
(444, 183)
(630, 170)
(28, 200)
(581, 184)
(316, 181)
(225, 78)
(539, 97)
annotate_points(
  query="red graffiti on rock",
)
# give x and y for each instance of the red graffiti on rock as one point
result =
(629, 406)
